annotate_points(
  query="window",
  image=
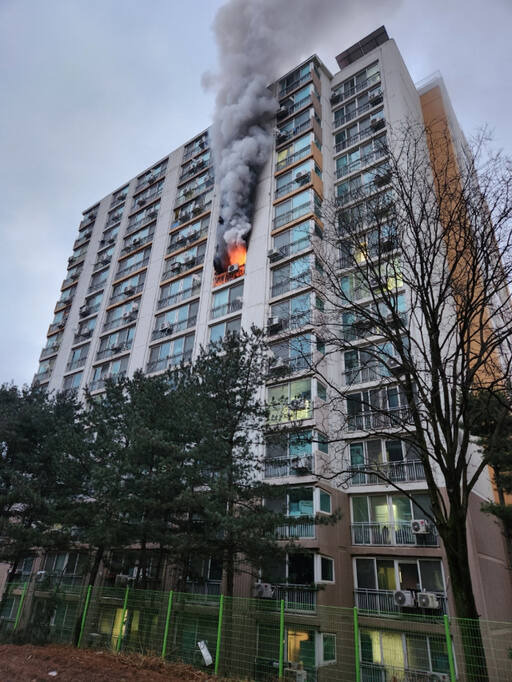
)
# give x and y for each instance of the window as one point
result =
(369, 364)
(327, 647)
(321, 391)
(190, 233)
(290, 401)
(179, 290)
(295, 352)
(146, 214)
(380, 407)
(128, 287)
(176, 320)
(135, 262)
(325, 502)
(72, 381)
(220, 330)
(170, 353)
(186, 259)
(289, 455)
(295, 126)
(293, 275)
(113, 369)
(295, 78)
(297, 206)
(78, 357)
(228, 300)
(365, 78)
(386, 520)
(403, 574)
(326, 569)
(116, 343)
(294, 312)
(98, 280)
(295, 239)
(297, 177)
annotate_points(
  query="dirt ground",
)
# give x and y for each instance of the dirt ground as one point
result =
(29, 663)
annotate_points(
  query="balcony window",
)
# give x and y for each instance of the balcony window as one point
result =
(195, 166)
(52, 346)
(358, 106)
(293, 313)
(98, 280)
(360, 327)
(228, 300)
(152, 174)
(294, 275)
(359, 131)
(297, 206)
(109, 370)
(293, 240)
(295, 126)
(194, 187)
(188, 234)
(122, 315)
(296, 151)
(67, 568)
(293, 354)
(373, 363)
(360, 285)
(78, 254)
(362, 80)
(295, 79)
(128, 287)
(193, 208)
(196, 146)
(115, 343)
(104, 258)
(362, 156)
(394, 459)
(44, 370)
(296, 178)
(360, 186)
(72, 381)
(376, 408)
(175, 320)
(114, 216)
(78, 357)
(147, 214)
(289, 456)
(296, 101)
(85, 330)
(378, 578)
(179, 290)
(171, 353)
(387, 654)
(290, 401)
(222, 329)
(148, 195)
(204, 576)
(119, 196)
(109, 237)
(134, 262)
(136, 239)
(185, 260)
(386, 520)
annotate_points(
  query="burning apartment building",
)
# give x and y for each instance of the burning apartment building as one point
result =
(220, 234)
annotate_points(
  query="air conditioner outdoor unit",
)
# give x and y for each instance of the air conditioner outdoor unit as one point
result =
(335, 98)
(151, 215)
(127, 291)
(282, 112)
(404, 598)
(84, 310)
(302, 465)
(263, 591)
(279, 364)
(102, 242)
(141, 201)
(193, 235)
(165, 328)
(149, 178)
(233, 268)
(376, 123)
(419, 526)
(274, 255)
(196, 280)
(123, 580)
(375, 97)
(86, 333)
(40, 576)
(274, 324)
(297, 404)
(189, 260)
(116, 348)
(197, 209)
(301, 177)
(127, 315)
(281, 136)
(181, 239)
(427, 600)
(176, 266)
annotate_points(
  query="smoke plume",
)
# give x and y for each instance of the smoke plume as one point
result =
(258, 40)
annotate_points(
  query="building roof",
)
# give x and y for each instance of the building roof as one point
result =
(362, 47)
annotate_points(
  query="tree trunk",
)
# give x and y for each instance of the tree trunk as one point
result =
(98, 556)
(455, 542)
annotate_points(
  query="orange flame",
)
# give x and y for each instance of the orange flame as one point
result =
(237, 254)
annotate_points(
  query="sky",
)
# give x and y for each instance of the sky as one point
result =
(94, 91)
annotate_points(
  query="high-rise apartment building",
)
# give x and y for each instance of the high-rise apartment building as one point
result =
(141, 292)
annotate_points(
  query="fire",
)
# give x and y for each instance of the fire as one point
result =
(237, 254)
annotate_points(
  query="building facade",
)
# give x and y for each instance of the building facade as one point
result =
(141, 292)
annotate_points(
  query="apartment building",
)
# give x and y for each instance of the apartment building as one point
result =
(141, 292)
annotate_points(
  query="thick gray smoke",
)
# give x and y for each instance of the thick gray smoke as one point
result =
(258, 40)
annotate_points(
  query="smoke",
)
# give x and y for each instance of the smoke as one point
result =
(258, 40)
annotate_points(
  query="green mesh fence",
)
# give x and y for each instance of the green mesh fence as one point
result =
(261, 639)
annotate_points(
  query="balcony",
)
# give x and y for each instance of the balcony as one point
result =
(118, 198)
(300, 181)
(88, 308)
(294, 214)
(281, 324)
(64, 301)
(141, 219)
(372, 421)
(169, 361)
(178, 267)
(180, 296)
(83, 239)
(382, 601)
(364, 374)
(349, 116)
(283, 91)
(339, 97)
(193, 169)
(95, 286)
(150, 177)
(279, 467)
(284, 136)
(292, 158)
(120, 321)
(146, 196)
(196, 148)
(48, 351)
(137, 242)
(358, 164)
(56, 326)
(227, 308)
(71, 279)
(102, 263)
(288, 110)
(375, 672)
(303, 529)
(397, 534)
(400, 472)
(190, 194)
(179, 241)
(127, 291)
(349, 141)
(113, 219)
(42, 377)
(296, 597)
(173, 328)
(100, 383)
(292, 283)
(131, 268)
(289, 249)
(75, 364)
(114, 349)
(207, 588)
(90, 218)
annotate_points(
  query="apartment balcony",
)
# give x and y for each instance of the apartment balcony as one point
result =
(179, 267)
(102, 263)
(42, 377)
(373, 421)
(71, 279)
(147, 217)
(340, 97)
(349, 116)
(300, 181)
(292, 158)
(363, 191)
(395, 534)
(173, 328)
(382, 601)
(100, 383)
(194, 212)
(114, 219)
(399, 472)
(45, 581)
(131, 268)
(354, 139)
(48, 351)
(56, 326)
(278, 467)
(87, 309)
(207, 588)
(285, 136)
(301, 598)
(288, 110)
(168, 362)
(375, 672)
(227, 308)
(119, 198)
(194, 169)
(296, 84)
(292, 283)
(151, 177)
(83, 336)
(364, 374)
(114, 349)
(120, 321)
(180, 296)
(294, 214)
(126, 292)
(305, 528)
(137, 242)
(76, 364)
(63, 302)
(200, 147)
(146, 197)
(179, 241)
(82, 239)
(190, 194)
(96, 286)
(359, 164)
(277, 325)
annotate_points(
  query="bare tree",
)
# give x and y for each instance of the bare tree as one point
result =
(416, 264)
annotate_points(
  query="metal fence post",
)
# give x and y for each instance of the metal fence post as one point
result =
(167, 621)
(219, 634)
(449, 648)
(84, 615)
(281, 640)
(20, 606)
(356, 644)
(125, 604)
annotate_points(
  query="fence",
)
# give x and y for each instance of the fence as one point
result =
(260, 639)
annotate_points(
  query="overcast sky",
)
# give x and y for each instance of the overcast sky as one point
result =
(93, 91)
